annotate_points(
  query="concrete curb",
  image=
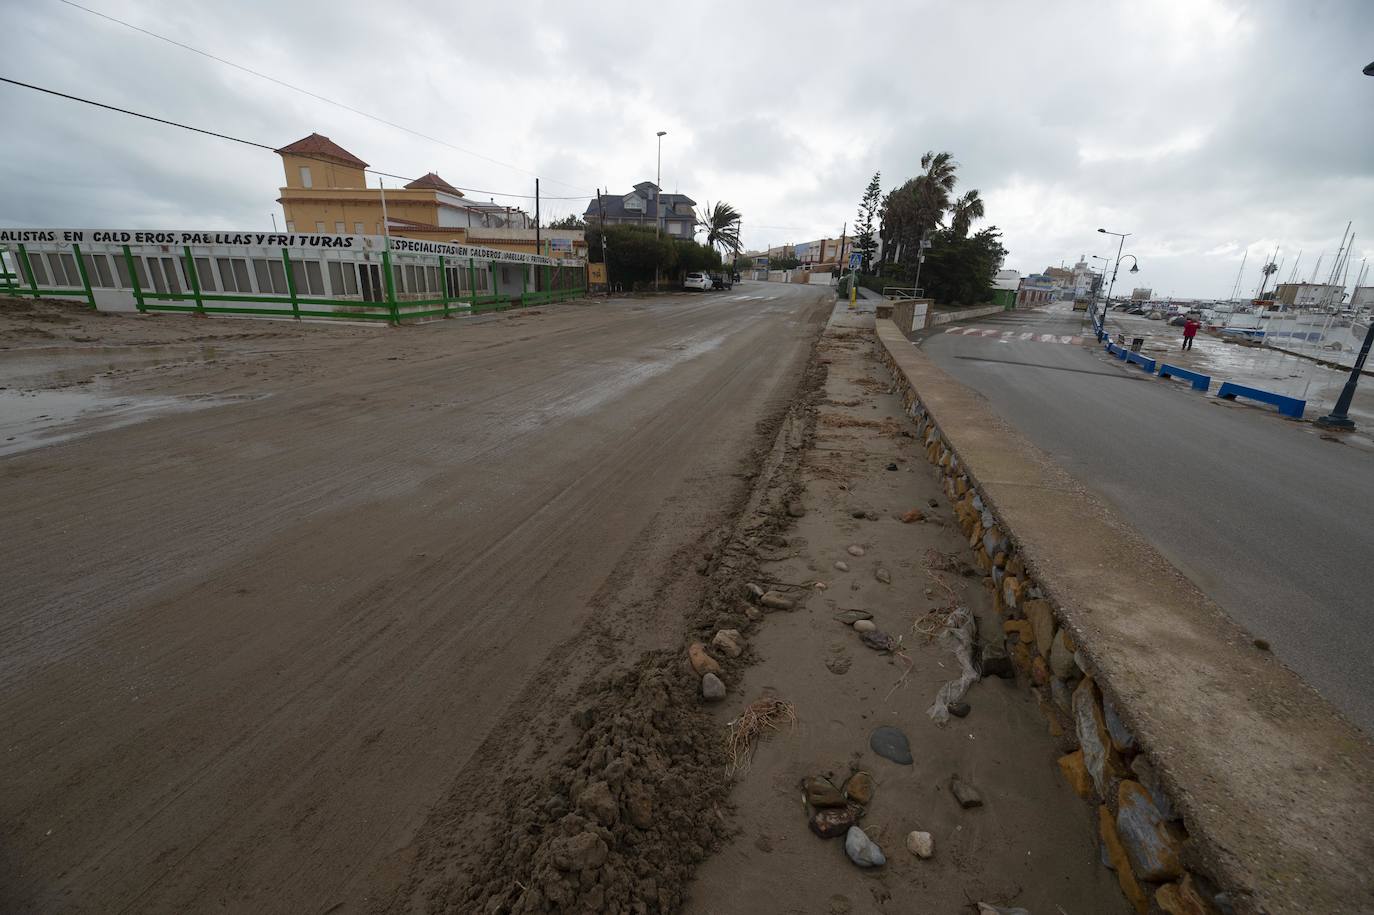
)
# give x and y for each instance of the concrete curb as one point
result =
(1256, 785)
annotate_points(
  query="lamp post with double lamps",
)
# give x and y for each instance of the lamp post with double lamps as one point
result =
(1339, 417)
(1135, 267)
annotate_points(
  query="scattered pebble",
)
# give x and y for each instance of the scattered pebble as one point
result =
(712, 688)
(878, 640)
(890, 743)
(920, 844)
(848, 617)
(832, 822)
(752, 613)
(864, 625)
(702, 662)
(967, 796)
(775, 601)
(1262, 645)
(821, 792)
(861, 850)
(841, 565)
(796, 509)
(883, 575)
(914, 515)
(932, 503)
(858, 513)
(871, 516)
(891, 466)
(859, 788)
(753, 590)
(855, 550)
(960, 709)
(730, 642)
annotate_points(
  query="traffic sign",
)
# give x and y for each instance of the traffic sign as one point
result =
(856, 260)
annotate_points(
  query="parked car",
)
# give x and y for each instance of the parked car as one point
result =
(696, 281)
(721, 281)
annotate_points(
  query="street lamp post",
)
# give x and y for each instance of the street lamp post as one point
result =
(1135, 268)
(1338, 418)
(658, 209)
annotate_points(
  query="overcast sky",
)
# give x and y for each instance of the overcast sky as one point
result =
(1203, 127)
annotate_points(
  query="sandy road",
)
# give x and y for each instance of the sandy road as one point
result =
(247, 649)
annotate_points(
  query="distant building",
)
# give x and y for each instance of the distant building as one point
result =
(1038, 288)
(1005, 284)
(1363, 297)
(1142, 295)
(1061, 280)
(824, 252)
(326, 192)
(1309, 295)
(644, 205)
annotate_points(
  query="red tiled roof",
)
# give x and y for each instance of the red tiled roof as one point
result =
(316, 145)
(433, 182)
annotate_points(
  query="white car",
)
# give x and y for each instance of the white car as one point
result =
(700, 281)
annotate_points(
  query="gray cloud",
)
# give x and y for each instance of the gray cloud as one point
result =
(1204, 127)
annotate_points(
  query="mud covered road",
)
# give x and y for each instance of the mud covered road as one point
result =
(254, 643)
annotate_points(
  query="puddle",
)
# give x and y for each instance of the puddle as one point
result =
(33, 419)
(58, 366)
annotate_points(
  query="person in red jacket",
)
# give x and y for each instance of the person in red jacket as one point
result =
(1190, 327)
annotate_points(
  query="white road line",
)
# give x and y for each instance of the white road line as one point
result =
(1047, 338)
(1066, 339)
(1027, 336)
(990, 333)
(971, 330)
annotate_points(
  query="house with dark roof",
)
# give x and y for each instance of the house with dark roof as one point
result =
(645, 205)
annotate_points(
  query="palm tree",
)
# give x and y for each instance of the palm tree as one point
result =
(721, 223)
(964, 211)
(933, 189)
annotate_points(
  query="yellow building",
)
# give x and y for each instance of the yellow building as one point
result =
(326, 192)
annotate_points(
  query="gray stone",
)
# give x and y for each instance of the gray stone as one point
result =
(862, 850)
(1061, 659)
(796, 509)
(776, 601)
(960, 709)
(753, 591)
(1062, 696)
(1092, 736)
(730, 642)
(878, 640)
(890, 743)
(850, 617)
(712, 688)
(1155, 853)
(1145, 772)
(858, 513)
(1122, 739)
(855, 550)
(841, 566)
(883, 575)
(967, 796)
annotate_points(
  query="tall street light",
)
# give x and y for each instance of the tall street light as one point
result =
(1338, 418)
(1135, 268)
(658, 180)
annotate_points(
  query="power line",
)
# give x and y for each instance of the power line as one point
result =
(325, 99)
(254, 143)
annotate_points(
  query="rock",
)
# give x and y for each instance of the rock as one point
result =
(855, 550)
(1122, 739)
(1040, 671)
(773, 600)
(1098, 755)
(832, 822)
(712, 688)
(1061, 657)
(1041, 617)
(985, 908)
(1154, 852)
(1076, 774)
(858, 513)
(997, 667)
(891, 466)
(1116, 855)
(861, 850)
(960, 709)
(883, 575)
(878, 640)
(871, 515)
(850, 617)
(1145, 773)
(821, 792)
(859, 788)
(639, 805)
(864, 625)
(753, 591)
(841, 565)
(795, 509)
(912, 516)
(729, 641)
(1183, 898)
(752, 613)
(890, 743)
(702, 662)
(967, 795)
(932, 503)
(1062, 696)
(597, 802)
(920, 844)
(584, 851)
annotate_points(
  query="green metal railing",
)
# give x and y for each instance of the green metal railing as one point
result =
(570, 280)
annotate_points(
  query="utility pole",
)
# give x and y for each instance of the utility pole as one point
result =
(538, 242)
(605, 242)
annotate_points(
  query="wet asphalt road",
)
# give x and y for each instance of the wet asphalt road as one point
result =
(1271, 521)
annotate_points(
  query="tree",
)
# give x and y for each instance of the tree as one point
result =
(743, 264)
(721, 223)
(958, 269)
(635, 252)
(914, 210)
(782, 262)
(567, 222)
(865, 241)
(964, 210)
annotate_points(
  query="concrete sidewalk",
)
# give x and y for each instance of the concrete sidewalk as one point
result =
(1273, 784)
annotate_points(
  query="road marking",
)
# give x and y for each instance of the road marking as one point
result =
(1009, 336)
(1028, 335)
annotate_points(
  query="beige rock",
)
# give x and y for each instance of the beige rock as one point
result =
(1076, 774)
(920, 844)
(774, 600)
(729, 642)
(864, 625)
(1183, 898)
(859, 788)
(1061, 657)
(1041, 616)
